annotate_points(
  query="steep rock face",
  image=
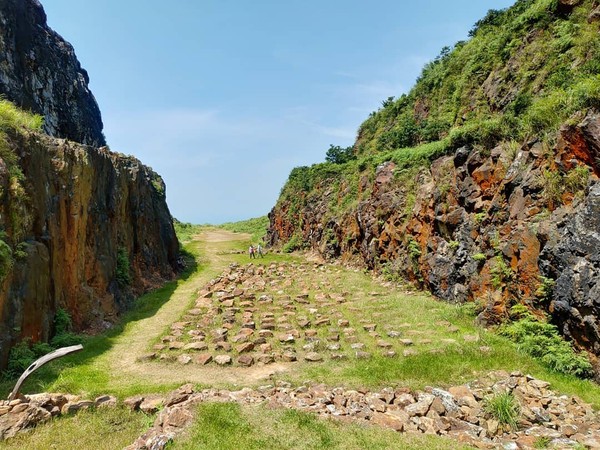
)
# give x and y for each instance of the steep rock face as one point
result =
(89, 228)
(575, 264)
(485, 225)
(40, 72)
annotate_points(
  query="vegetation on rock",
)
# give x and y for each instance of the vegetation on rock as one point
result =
(25, 352)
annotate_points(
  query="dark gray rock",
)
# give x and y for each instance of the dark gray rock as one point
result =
(575, 264)
(40, 72)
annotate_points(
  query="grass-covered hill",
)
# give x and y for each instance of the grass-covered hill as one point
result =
(480, 183)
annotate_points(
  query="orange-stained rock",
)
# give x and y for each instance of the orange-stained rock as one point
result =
(84, 207)
(478, 225)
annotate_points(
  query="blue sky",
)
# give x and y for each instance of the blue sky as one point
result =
(224, 97)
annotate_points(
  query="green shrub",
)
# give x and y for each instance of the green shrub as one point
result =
(63, 335)
(541, 340)
(339, 155)
(545, 288)
(552, 187)
(505, 408)
(20, 358)
(295, 243)
(122, 274)
(62, 321)
(542, 442)
(500, 272)
(577, 179)
(414, 250)
(479, 257)
(6, 259)
(65, 340)
(24, 353)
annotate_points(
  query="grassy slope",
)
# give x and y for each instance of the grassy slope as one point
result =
(545, 68)
(255, 227)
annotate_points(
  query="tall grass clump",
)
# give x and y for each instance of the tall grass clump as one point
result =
(12, 117)
(505, 408)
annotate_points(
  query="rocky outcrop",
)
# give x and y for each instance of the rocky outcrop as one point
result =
(459, 412)
(40, 72)
(574, 262)
(29, 411)
(85, 230)
(498, 226)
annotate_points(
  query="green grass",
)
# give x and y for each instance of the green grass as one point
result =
(255, 227)
(228, 425)
(505, 408)
(185, 231)
(12, 117)
(101, 429)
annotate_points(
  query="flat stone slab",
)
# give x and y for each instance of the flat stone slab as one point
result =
(184, 359)
(245, 347)
(223, 360)
(245, 360)
(203, 359)
(198, 346)
(313, 357)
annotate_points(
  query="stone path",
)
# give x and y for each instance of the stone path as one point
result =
(285, 313)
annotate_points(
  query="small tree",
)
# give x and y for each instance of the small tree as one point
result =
(339, 155)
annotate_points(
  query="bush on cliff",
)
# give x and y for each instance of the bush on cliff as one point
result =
(6, 258)
(24, 353)
(16, 120)
(122, 274)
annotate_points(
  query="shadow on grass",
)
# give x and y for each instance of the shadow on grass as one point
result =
(93, 346)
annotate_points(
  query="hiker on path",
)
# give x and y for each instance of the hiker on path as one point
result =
(259, 250)
(251, 252)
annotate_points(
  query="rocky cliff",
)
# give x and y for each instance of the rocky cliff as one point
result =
(39, 72)
(481, 183)
(85, 229)
(81, 228)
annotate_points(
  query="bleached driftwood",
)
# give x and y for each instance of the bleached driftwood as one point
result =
(40, 362)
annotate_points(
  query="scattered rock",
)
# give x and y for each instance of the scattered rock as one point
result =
(223, 360)
(245, 360)
(313, 357)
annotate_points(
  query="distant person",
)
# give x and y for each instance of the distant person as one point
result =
(251, 252)
(259, 250)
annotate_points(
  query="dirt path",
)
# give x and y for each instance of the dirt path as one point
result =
(123, 357)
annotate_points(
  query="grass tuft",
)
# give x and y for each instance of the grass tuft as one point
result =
(505, 408)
